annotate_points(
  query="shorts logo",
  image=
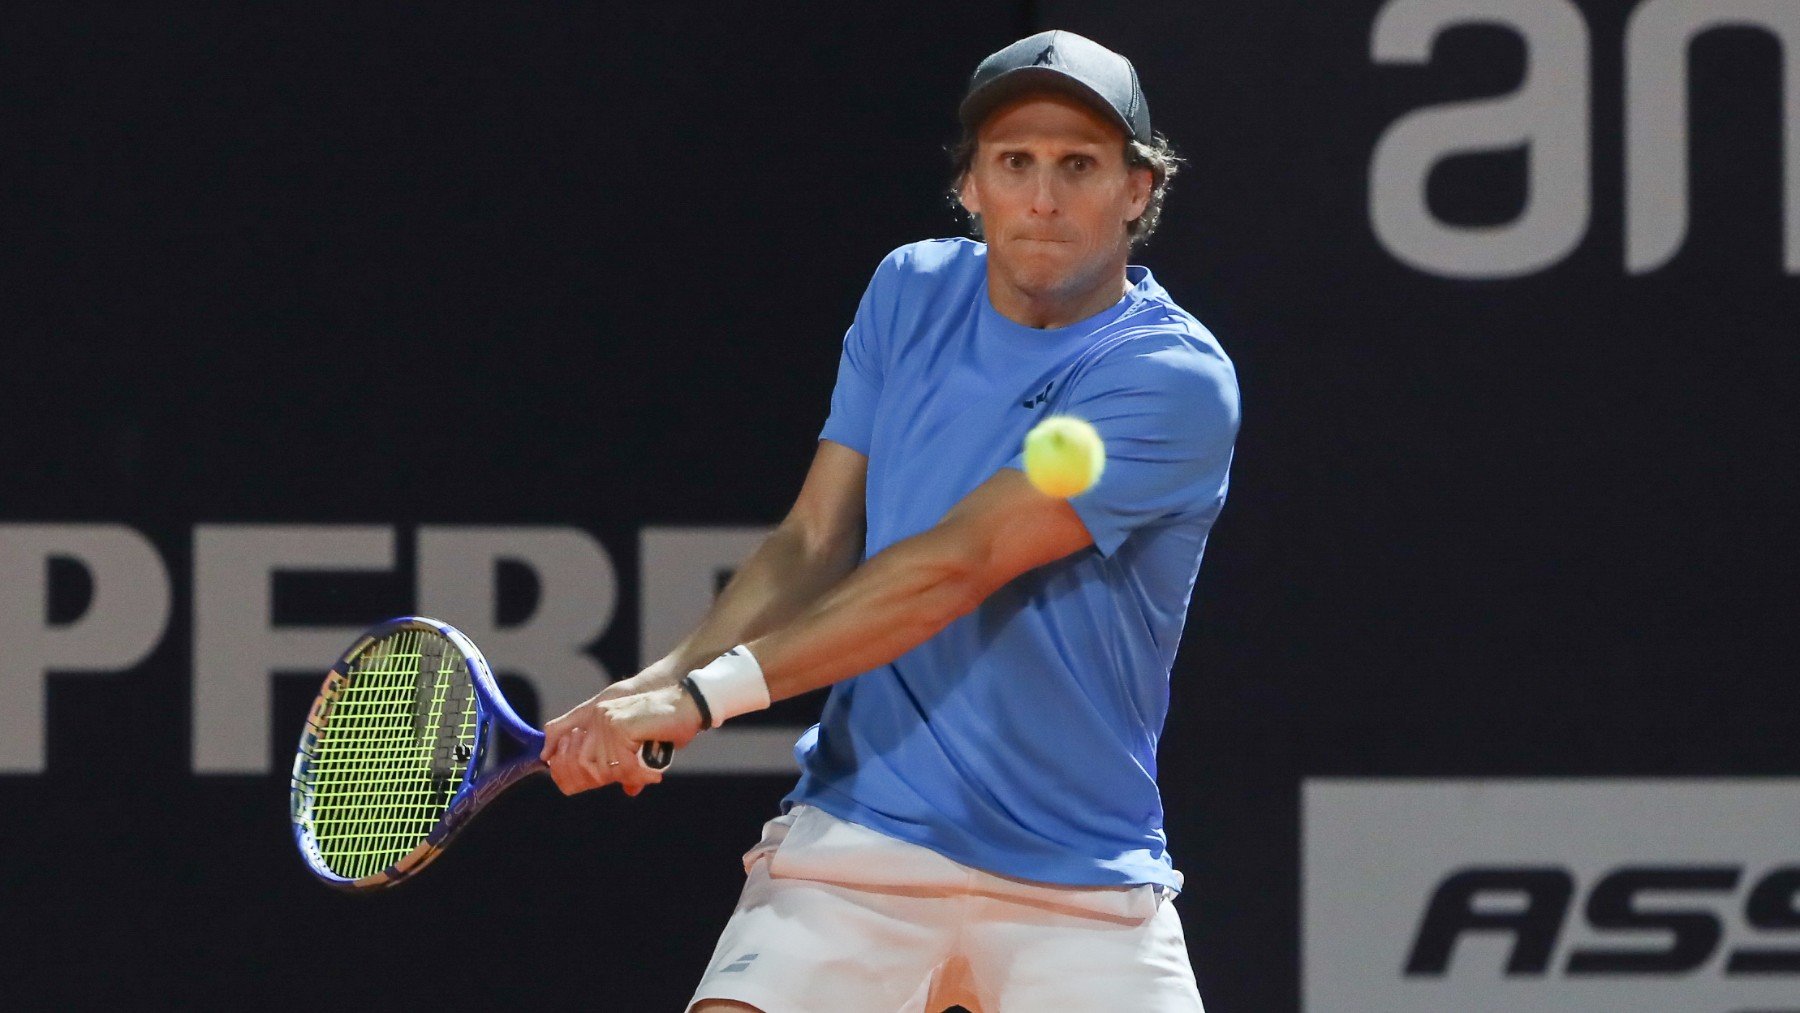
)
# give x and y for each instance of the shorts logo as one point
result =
(740, 964)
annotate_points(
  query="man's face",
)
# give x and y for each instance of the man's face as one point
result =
(1050, 183)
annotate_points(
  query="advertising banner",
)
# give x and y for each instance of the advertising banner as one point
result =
(1551, 896)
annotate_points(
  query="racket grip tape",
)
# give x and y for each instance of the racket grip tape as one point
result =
(657, 755)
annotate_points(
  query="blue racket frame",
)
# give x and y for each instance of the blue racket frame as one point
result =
(478, 788)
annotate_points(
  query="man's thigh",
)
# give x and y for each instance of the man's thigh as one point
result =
(798, 946)
(1048, 959)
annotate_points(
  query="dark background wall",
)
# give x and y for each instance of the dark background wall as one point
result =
(1539, 525)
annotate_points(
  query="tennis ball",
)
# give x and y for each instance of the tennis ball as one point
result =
(1064, 456)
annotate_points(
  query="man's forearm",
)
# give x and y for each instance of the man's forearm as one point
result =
(894, 602)
(786, 573)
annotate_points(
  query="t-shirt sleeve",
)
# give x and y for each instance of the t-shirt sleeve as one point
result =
(862, 365)
(1169, 418)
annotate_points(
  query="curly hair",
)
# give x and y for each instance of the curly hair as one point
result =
(1157, 156)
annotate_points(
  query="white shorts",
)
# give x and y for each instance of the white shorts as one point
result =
(837, 918)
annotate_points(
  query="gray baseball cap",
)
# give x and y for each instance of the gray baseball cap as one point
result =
(1065, 62)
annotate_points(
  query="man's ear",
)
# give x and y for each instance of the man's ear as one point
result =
(968, 195)
(1141, 182)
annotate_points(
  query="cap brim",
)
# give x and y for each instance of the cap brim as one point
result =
(1023, 80)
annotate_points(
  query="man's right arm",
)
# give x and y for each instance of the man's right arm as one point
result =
(816, 545)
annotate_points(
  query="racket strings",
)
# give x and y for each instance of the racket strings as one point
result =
(392, 752)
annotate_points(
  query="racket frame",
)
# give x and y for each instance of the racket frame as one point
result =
(478, 787)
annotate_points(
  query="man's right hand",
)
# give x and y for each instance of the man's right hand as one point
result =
(567, 732)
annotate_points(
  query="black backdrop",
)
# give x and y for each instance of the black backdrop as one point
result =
(1532, 526)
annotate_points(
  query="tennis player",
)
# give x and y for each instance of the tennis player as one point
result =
(977, 818)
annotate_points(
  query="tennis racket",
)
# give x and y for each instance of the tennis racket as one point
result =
(399, 753)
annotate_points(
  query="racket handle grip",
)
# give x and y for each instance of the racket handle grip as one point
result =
(657, 755)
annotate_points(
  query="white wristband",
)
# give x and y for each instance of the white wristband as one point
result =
(732, 684)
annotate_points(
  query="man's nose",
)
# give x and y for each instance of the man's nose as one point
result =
(1043, 193)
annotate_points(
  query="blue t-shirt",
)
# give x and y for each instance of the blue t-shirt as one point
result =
(1021, 739)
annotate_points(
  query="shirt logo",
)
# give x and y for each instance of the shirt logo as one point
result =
(1042, 396)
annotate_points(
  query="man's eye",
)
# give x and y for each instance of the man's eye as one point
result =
(1081, 164)
(1015, 161)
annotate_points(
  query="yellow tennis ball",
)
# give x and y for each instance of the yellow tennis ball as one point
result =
(1064, 456)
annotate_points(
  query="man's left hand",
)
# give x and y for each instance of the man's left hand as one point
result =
(600, 741)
